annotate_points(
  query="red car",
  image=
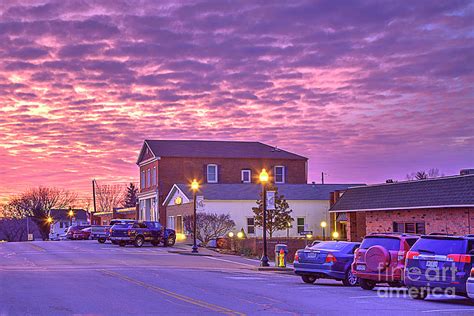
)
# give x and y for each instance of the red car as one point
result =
(78, 232)
(381, 259)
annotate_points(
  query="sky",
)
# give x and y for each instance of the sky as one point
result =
(367, 90)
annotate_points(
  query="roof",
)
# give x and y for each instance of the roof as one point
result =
(455, 191)
(216, 149)
(248, 191)
(79, 214)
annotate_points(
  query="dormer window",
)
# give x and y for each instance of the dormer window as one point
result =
(212, 173)
(246, 176)
(279, 174)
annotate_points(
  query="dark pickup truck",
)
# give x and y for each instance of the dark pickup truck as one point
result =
(137, 233)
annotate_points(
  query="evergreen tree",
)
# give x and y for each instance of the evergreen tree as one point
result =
(131, 196)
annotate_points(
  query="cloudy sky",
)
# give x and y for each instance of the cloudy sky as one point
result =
(367, 90)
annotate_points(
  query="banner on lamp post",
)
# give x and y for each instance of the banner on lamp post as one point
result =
(200, 203)
(270, 200)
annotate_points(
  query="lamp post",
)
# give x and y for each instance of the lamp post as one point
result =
(71, 214)
(263, 180)
(323, 226)
(194, 187)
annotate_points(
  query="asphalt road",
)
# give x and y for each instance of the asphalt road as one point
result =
(85, 277)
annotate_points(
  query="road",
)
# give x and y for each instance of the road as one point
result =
(85, 277)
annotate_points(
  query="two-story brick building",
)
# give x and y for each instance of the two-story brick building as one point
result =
(163, 163)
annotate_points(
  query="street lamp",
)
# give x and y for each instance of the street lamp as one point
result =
(71, 214)
(194, 187)
(323, 226)
(335, 235)
(49, 220)
(263, 180)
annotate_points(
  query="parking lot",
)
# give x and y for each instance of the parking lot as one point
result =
(85, 277)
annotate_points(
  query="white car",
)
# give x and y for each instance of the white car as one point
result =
(470, 285)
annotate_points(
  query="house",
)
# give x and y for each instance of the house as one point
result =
(62, 220)
(163, 163)
(309, 204)
(439, 205)
(104, 218)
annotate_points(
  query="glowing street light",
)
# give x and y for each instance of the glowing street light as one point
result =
(335, 235)
(49, 220)
(323, 226)
(231, 234)
(194, 187)
(263, 177)
(71, 214)
(240, 235)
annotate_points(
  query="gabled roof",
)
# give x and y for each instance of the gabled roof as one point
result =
(455, 191)
(215, 149)
(247, 191)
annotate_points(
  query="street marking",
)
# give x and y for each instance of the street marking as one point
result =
(244, 278)
(448, 310)
(243, 264)
(177, 296)
(36, 247)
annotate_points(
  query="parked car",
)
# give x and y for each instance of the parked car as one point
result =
(470, 285)
(381, 259)
(103, 236)
(76, 232)
(327, 260)
(439, 263)
(138, 233)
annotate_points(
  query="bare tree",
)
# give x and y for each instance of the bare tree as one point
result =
(12, 229)
(209, 226)
(422, 174)
(109, 196)
(37, 204)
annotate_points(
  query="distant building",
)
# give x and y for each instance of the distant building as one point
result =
(439, 205)
(104, 218)
(166, 162)
(309, 202)
(62, 220)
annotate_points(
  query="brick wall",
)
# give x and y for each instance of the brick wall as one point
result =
(356, 226)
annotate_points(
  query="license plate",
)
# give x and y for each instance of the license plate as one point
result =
(312, 255)
(360, 267)
(431, 264)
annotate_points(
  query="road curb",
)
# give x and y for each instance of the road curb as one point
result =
(276, 269)
(188, 253)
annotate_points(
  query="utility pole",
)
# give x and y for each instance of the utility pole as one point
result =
(93, 198)
(322, 177)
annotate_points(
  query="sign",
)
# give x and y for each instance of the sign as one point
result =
(30, 237)
(306, 232)
(200, 203)
(270, 200)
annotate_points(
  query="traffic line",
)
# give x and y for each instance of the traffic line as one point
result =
(448, 310)
(187, 299)
(230, 261)
(36, 247)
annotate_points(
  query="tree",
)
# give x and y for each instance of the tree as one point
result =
(131, 196)
(209, 226)
(422, 174)
(277, 219)
(109, 196)
(37, 204)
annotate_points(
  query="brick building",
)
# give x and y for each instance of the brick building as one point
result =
(163, 163)
(440, 205)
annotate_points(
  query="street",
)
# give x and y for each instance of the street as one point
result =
(85, 277)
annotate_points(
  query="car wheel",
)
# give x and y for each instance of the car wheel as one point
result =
(351, 279)
(395, 284)
(101, 240)
(310, 279)
(122, 244)
(417, 293)
(367, 284)
(139, 241)
(170, 241)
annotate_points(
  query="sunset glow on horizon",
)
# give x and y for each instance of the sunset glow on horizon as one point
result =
(366, 90)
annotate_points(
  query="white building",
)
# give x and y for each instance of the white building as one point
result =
(309, 202)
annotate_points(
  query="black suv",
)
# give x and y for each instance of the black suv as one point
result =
(137, 233)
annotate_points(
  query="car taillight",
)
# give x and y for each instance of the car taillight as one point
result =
(330, 258)
(459, 258)
(401, 255)
(472, 273)
(297, 258)
(412, 255)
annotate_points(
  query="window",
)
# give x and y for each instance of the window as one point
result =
(142, 179)
(409, 227)
(153, 176)
(170, 223)
(250, 225)
(246, 176)
(148, 178)
(279, 174)
(179, 224)
(300, 224)
(212, 173)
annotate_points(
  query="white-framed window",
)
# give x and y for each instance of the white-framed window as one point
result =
(153, 176)
(250, 225)
(279, 174)
(300, 224)
(170, 223)
(148, 178)
(142, 179)
(246, 176)
(212, 173)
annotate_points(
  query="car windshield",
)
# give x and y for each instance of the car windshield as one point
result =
(329, 245)
(388, 243)
(440, 246)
